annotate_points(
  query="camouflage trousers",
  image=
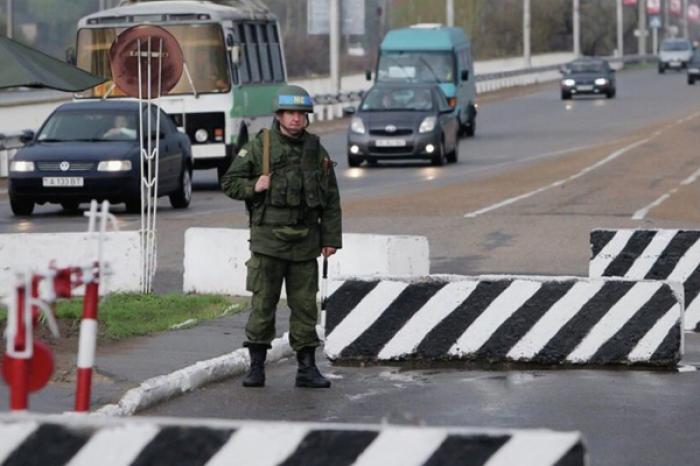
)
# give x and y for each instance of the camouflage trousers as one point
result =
(264, 280)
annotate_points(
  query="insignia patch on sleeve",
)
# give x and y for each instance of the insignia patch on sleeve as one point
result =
(242, 153)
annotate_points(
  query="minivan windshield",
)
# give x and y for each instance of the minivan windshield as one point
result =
(675, 46)
(93, 126)
(429, 67)
(386, 100)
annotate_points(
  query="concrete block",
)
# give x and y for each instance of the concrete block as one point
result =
(547, 321)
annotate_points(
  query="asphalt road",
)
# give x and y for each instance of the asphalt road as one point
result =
(540, 174)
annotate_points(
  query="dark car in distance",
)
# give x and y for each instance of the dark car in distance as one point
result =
(403, 121)
(588, 76)
(91, 150)
(694, 69)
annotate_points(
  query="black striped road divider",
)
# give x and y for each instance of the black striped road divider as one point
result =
(672, 255)
(89, 441)
(495, 319)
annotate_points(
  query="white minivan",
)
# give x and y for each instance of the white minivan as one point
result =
(674, 54)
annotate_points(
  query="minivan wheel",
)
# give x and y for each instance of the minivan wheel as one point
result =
(565, 95)
(691, 81)
(662, 70)
(181, 198)
(470, 129)
(21, 206)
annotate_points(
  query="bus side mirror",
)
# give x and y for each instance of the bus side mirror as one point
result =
(70, 56)
(465, 75)
(236, 54)
(368, 75)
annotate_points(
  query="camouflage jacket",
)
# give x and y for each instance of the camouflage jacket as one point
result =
(300, 212)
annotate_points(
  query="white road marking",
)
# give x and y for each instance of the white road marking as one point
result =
(644, 211)
(584, 171)
(613, 320)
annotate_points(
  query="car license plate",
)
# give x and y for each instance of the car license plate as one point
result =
(675, 64)
(390, 142)
(62, 181)
(585, 88)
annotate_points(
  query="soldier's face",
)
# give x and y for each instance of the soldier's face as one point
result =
(292, 121)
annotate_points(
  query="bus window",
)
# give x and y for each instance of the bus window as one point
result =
(243, 67)
(264, 53)
(251, 42)
(275, 53)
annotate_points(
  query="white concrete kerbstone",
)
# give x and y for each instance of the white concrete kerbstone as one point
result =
(33, 252)
(215, 259)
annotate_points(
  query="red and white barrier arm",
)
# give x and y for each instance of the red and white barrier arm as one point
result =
(87, 345)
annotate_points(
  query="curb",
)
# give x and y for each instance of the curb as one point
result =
(164, 387)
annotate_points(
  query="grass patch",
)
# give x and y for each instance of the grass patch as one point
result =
(126, 315)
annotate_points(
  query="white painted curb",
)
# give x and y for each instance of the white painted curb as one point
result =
(215, 258)
(161, 388)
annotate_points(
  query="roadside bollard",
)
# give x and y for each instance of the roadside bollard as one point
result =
(88, 343)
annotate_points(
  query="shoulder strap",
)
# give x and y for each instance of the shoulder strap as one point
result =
(266, 152)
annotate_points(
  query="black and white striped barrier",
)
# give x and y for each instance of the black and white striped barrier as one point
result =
(548, 321)
(90, 441)
(672, 255)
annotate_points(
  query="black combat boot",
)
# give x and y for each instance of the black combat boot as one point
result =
(256, 374)
(308, 375)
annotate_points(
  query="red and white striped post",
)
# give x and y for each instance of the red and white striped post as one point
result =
(87, 345)
(20, 356)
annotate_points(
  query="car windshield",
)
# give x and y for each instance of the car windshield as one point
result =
(675, 46)
(429, 67)
(587, 67)
(82, 125)
(398, 99)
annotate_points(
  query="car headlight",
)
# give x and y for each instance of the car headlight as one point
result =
(21, 166)
(694, 70)
(114, 166)
(427, 125)
(357, 125)
(601, 82)
(201, 135)
(569, 82)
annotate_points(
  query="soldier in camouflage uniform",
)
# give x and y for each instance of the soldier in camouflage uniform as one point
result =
(294, 217)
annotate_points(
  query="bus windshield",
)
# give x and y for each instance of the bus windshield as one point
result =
(202, 46)
(430, 67)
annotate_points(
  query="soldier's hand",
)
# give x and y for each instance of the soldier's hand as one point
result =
(263, 183)
(327, 251)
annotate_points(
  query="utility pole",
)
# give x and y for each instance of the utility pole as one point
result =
(685, 19)
(577, 29)
(642, 28)
(450, 7)
(334, 32)
(8, 29)
(526, 34)
(620, 30)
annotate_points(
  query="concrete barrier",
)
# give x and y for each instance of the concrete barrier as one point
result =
(494, 319)
(215, 258)
(89, 441)
(24, 252)
(672, 255)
